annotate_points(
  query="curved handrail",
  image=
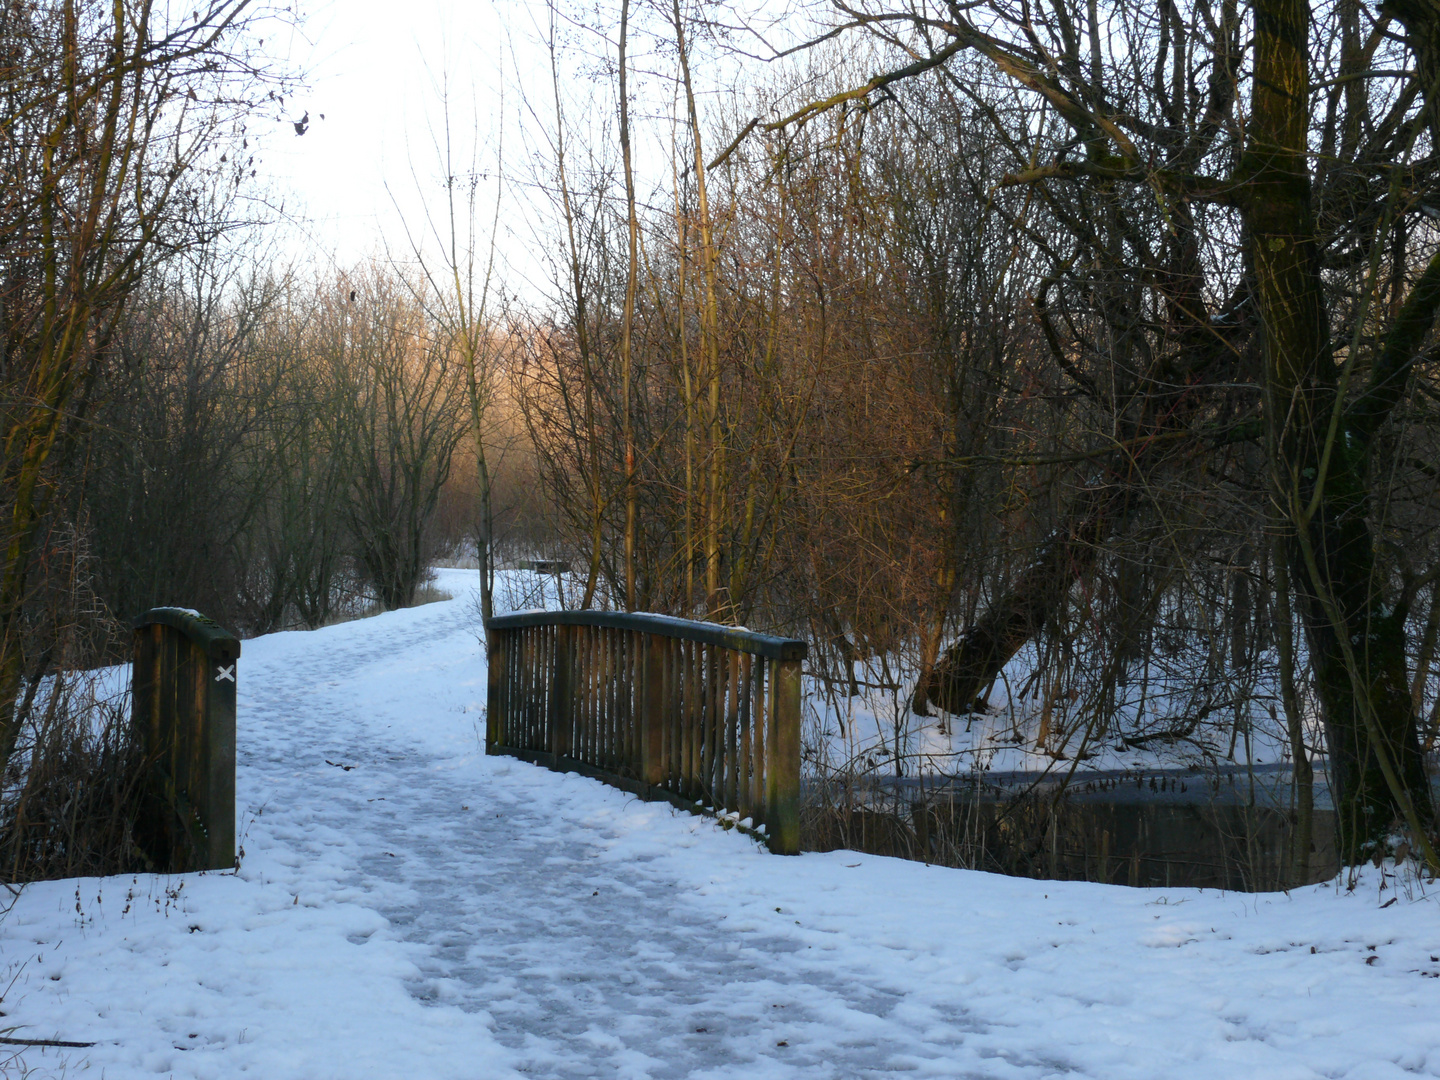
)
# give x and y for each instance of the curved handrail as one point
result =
(708, 633)
(204, 631)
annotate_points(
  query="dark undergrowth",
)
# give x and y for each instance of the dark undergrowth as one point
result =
(72, 791)
(1045, 834)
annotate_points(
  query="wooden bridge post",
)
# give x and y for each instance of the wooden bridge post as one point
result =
(183, 715)
(495, 640)
(782, 766)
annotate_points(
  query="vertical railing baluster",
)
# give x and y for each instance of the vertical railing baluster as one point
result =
(574, 693)
(624, 743)
(682, 720)
(537, 704)
(527, 689)
(552, 700)
(634, 673)
(511, 691)
(746, 690)
(552, 678)
(517, 691)
(503, 640)
(582, 693)
(732, 725)
(697, 724)
(516, 696)
(527, 697)
(672, 714)
(707, 710)
(667, 683)
(597, 643)
(707, 730)
(626, 682)
(718, 672)
(532, 703)
(560, 719)
(607, 699)
(763, 669)
(627, 690)
(722, 713)
(599, 695)
(650, 701)
(633, 656)
(541, 691)
(527, 674)
(597, 699)
(494, 686)
(617, 758)
(682, 714)
(589, 703)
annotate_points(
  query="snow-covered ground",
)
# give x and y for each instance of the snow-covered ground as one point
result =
(407, 907)
(1147, 728)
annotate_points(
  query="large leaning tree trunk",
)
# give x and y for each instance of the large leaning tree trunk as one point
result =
(1161, 346)
(1022, 611)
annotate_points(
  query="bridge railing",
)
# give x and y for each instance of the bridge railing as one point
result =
(701, 715)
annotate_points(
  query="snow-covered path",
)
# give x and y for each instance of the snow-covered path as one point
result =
(588, 965)
(409, 907)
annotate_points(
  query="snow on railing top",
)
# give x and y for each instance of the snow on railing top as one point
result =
(728, 637)
(204, 631)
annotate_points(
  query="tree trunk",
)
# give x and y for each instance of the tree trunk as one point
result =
(1357, 648)
(973, 662)
(1302, 838)
(631, 270)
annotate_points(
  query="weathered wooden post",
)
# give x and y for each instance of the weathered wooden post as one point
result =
(494, 687)
(782, 767)
(183, 713)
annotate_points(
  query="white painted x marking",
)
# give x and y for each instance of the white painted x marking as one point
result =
(226, 673)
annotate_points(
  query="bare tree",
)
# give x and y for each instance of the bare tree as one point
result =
(1220, 279)
(110, 119)
(402, 412)
(460, 298)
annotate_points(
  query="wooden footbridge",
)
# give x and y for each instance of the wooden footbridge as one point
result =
(703, 716)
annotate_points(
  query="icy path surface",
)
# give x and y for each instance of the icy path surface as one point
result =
(409, 907)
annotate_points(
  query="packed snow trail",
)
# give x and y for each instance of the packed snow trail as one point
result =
(588, 965)
(409, 907)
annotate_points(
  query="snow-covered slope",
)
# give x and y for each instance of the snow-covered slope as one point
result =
(408, 907)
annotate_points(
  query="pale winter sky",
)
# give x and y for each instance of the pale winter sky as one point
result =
(374, 71)
(368, 164)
